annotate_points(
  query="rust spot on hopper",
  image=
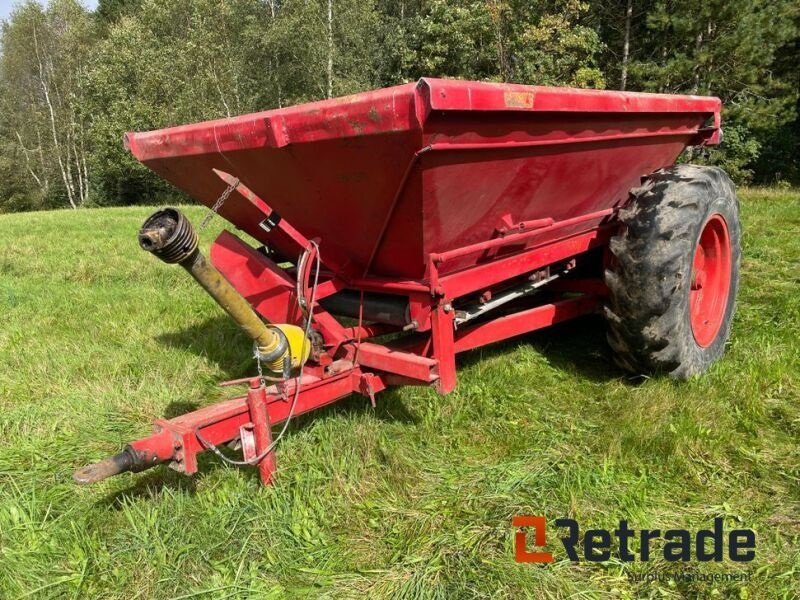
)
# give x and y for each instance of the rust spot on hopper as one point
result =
(518, 99)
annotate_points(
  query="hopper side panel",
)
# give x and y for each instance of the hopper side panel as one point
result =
(507, 167)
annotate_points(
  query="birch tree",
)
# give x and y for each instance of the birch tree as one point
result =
(626, 45)
(331, 47)
(44, 58)
(326, 48)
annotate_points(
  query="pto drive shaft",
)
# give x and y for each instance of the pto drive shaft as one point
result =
(169, 235)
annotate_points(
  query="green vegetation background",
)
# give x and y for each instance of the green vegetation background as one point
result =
(73, 81)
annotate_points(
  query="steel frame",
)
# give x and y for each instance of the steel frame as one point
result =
(350, 362)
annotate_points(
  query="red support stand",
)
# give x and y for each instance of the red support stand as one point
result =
(444, 346)
(257, 405)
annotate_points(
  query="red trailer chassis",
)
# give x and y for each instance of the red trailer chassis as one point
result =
(527, 254)
(351, 363)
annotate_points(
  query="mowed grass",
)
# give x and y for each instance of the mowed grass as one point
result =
(413, 499)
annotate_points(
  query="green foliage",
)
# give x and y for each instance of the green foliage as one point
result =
(454, 39)
(69, 92)
(109, 12)
(299, 44)
(14, 184)
(738, 150)
(167, 64)
(43, 73)
(497, 40)
(557, 49)
(745, 52)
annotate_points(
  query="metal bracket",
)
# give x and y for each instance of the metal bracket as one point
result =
(367, 388)
(248, 441)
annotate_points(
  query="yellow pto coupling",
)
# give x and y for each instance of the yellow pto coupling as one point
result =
(289, 337)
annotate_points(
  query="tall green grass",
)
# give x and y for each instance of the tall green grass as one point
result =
(413, 499)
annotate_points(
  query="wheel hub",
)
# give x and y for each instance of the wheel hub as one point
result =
(711, 280)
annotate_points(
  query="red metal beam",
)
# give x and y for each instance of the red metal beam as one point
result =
(369, 330)
(573, 139)
(501, 269)
(443, 347)
(523, 322)
(516, 238)
(175, 440)
(406, 364)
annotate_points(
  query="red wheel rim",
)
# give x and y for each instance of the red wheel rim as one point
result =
(711, 281)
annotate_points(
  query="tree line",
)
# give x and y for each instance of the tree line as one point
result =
(74, 80)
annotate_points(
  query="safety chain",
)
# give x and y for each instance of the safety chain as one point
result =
(218, 204)
(259, 366)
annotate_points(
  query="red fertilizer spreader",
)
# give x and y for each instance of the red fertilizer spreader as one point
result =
(400, 227)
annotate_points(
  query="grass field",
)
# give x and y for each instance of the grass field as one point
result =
(413, 499)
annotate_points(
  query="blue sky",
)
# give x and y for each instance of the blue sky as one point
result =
(7, 5)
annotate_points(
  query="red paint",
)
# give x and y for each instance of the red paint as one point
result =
(711, 281)
(523, 322)
(507, 267)
(265, 285)
(439, 192)
(442, 337)
(519, 238)
(385, 178)
(257, 407)
(385, 357)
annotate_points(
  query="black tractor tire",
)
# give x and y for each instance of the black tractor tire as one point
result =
(649, 272)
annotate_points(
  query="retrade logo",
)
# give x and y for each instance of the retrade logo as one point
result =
(597, 545)
(539, 525)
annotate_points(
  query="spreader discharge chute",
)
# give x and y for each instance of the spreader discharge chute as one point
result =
(399, 227)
